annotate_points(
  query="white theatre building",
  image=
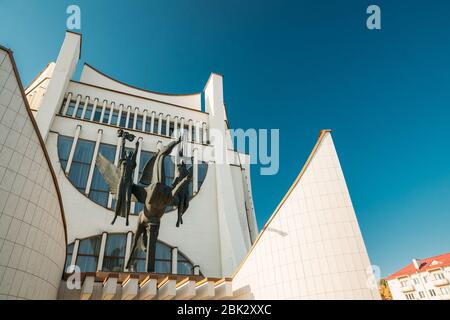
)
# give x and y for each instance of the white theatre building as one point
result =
(311, 248)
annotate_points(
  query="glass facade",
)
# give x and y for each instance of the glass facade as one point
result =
(88, 253)
(114, 256)
(81, 164)
(64, 146)
(69, 256)
(163, 259)
(88, 113)
(99, 191)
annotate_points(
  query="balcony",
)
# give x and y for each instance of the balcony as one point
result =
(440, 282)
(408, 288)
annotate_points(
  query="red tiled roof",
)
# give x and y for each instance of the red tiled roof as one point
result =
(442, 260)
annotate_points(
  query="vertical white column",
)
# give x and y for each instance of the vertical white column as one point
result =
(94, 107)
(168, 125)
(136, 110)
(175, 127)
(197, 132)
(190, 131)
(195, 172)
(127, 121)
(119, 116)
(72, 149)
(160, 123)
(102, 115)
(111, 112)
(66, 105)
(182, 127)
(94, 157)
(174, 260)
(116, 162)
(102, 252)
(76, 246)
(152, 122)
(144, 120)
(128, 247)
(77, 103)
(86, 102)
(205, 137)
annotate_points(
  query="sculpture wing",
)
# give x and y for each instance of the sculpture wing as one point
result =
(139, 193)
(146, 177)
(109, 172)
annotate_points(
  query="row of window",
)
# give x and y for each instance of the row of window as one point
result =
(88, 254)
(443, 291)
(99, 190)
(434, 275)
(126, 119)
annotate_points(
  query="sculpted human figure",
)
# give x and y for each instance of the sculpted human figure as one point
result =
(151, 191)
(120, 179)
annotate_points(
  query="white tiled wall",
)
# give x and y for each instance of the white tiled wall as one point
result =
(313, 248)
(32, 243)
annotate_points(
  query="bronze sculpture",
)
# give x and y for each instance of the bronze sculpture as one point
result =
(151, 191)
(120, 180)
(156, 196)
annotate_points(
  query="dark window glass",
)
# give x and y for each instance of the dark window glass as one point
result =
(79, 110)
(131, 121)
(202, 170)
(81, 163)
(139, 122)
(88, 113)
(114, 252)
(148, 124)
(123, 119)
(71, 108)
(169, 167)
(98, 113)
(99, 191)
(115, 116)
(64, 146)
(163, 257)
(163, 127)
(68, 256)
(88, 251)
(155, 128)
(106, 115)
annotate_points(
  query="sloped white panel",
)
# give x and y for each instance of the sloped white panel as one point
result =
(312, 247)
(32, 235)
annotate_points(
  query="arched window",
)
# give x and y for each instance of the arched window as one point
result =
(99, 191)
(69, 256)
(163, 259)
(64, 146)
(88, 252)
(114, 258)
(81, 164)
(183, 265)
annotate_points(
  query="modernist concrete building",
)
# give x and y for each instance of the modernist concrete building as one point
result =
(311, 248)
(423, 279)
(32, 226)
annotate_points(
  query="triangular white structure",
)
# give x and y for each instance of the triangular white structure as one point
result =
(312, 247)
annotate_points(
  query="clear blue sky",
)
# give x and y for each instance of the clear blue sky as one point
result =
(300, 66)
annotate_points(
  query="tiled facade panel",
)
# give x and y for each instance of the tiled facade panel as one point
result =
(313, 248)
(32, 239)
